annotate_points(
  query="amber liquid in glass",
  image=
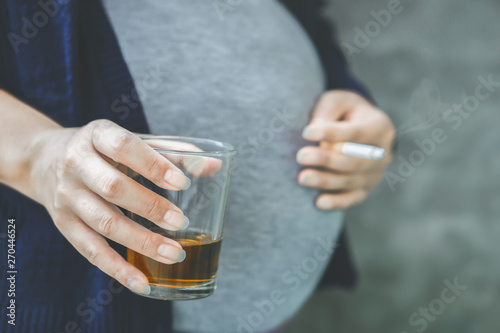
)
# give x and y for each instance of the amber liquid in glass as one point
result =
(199, 267)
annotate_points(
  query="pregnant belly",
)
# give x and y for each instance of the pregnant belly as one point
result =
(251, 80)
(275, 240)
(275, 243)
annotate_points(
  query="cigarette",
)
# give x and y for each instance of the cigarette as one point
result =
(356, 150)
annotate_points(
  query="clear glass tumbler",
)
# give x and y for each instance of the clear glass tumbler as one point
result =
(208, 164)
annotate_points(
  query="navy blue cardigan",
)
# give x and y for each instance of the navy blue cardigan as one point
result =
(62, 58)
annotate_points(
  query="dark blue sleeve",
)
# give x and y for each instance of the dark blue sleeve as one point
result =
(310, 14)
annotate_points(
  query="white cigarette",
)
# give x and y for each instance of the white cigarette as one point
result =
(357, 150)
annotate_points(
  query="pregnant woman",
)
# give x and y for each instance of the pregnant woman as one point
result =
(245, 73)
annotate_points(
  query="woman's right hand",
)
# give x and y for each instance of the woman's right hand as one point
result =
(76, 175)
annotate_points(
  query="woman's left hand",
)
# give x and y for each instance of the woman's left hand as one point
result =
(342, 116)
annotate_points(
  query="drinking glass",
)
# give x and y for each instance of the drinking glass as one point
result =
(208, 164)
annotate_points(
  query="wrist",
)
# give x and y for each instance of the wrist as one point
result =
(21, 126)
(41, 156)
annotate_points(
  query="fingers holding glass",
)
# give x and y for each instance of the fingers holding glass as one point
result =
(130, 150)
(111, 223)
(117, 188)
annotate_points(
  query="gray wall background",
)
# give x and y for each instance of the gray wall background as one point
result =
(442, 223)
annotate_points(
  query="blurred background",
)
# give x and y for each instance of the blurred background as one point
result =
(436, 219)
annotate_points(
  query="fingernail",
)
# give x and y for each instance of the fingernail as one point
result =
(311, 133)
(188, 184)
(308, 179)
(172, 253)
(177, 179)
(182, 256)
(304, 157)
(300, 157)
(177, 220)
(138, 286)
(195, 165)
(325, 203)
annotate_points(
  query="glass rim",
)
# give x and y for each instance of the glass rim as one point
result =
(226, 148)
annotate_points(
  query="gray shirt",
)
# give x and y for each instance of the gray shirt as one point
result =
(246, 74)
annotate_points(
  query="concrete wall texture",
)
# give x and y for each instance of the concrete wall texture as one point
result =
(427, 241)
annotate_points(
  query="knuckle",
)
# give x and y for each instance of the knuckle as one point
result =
(99, 123)
(147, 243)
(112, 186)
(69, 160)
(95, 128)
(92, 254)
(155, 167)
(58, 203)
(122, 141)
(61, 195)
(107, 225)
(82, 146)
(120, 274)
(155, 208)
